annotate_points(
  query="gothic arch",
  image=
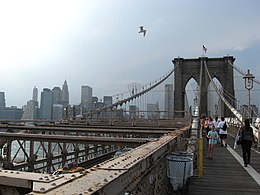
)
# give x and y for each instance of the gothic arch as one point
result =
(185, 69)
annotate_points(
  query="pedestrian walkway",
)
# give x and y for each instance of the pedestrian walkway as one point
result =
(225, 174)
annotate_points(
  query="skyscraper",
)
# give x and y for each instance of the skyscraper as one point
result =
(2, 100)
(57, 112)
(152, 110)
(35, 94)
(86, 97)
(56, 95)
(108, 100)
(86, 94)
(30, 110)
(46, 104)
(65, 95)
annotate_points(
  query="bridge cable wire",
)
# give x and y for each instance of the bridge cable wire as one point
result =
(239, 70)
(231, 108)
(119, 103)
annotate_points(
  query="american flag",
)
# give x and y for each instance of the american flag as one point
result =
(204, 48)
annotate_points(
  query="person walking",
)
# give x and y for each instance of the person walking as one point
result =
(216, 122)
(247, 136)
(223, 127)
(213, 140)
(209, 124)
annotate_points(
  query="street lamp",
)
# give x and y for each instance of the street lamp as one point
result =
(249, 85)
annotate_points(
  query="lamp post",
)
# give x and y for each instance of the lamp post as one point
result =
(249, 85)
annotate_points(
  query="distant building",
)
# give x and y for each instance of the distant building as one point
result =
(56, 95)
(2, 100)
(133, 111)
(46, 104)
(152, 111)
(30, 110)
(57, 112)
(108, 100)
(86, 97)
(11, 113)
(94, 102)
(65, 95)
(86, 94)
(168, 101)
(35, 94)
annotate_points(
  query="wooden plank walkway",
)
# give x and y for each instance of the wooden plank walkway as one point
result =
(225, 174)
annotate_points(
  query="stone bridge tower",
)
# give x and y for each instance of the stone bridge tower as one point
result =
(186, 69)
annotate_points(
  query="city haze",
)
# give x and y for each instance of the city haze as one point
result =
(96, 43)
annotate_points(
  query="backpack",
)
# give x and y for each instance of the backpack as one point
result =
(224, 128)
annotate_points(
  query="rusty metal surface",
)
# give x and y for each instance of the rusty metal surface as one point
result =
(97, 131)
(114, 175)
(75, 139)
(23, 179)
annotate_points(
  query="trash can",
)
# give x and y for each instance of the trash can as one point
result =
(179, 169)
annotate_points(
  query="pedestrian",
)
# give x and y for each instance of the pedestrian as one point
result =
(213, 140)
(209, 124)
(223, 127)
(216, 122)
(247, 138)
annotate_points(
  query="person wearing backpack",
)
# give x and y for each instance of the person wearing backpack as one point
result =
(223, 127)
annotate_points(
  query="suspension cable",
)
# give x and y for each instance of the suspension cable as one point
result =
(241, 72)
(232, 109)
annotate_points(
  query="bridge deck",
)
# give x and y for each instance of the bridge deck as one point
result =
(225, 174)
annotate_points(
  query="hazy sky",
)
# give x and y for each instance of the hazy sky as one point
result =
(97, 43)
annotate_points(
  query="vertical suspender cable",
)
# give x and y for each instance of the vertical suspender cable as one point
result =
(201, 125)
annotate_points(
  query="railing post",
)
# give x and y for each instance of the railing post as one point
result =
(202, 125)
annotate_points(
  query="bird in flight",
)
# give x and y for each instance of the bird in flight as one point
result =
(142, 30)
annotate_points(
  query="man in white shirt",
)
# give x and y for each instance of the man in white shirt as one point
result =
(223, 127)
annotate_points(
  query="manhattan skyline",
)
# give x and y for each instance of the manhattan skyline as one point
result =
(97, 43)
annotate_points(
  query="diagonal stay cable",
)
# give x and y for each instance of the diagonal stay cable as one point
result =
(241, 72)
(231, 108)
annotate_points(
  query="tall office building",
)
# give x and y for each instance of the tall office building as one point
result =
(2, 100)
(35, 94)
(11, 113)
(152, 110)
(133, 111)
(65, 95)
(168, 105)
(86, 97)
(108, 100)
(30, 110)
(57, 112)
(56, 95)
(86, 94)
(46, 104)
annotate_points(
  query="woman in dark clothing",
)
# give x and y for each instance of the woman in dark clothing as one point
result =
(247, 141)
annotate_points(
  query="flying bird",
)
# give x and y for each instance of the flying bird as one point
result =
(142, 30)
